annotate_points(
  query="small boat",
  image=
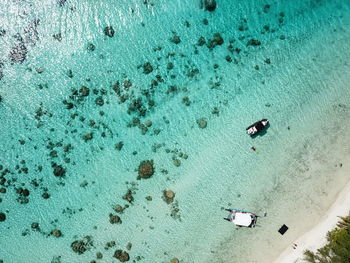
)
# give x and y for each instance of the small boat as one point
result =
(241, 218)
(257, 127)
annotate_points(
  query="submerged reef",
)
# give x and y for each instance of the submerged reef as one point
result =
(109, 31)
(2, 217)
(80, 246)
(146, 169)
(121, 255)
(168, 196)
(209, 5)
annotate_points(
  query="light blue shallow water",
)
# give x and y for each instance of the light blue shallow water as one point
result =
(297, 73)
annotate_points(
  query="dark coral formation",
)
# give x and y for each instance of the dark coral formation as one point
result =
(118, 209)
(119, 146)
(56, 233)
(90, 47)
(202, 123)
(217, 40)
(168, 196)
(2, 217)
(175, 38)
(18, 53)
(109, 31)
(253, 42)
(114, 219)
(147, 68)
(146, 169)
(80, 246)
(58, 170)
(209, 5)
(128, 196)
(121, 255)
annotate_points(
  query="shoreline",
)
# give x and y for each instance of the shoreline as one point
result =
(317, 236)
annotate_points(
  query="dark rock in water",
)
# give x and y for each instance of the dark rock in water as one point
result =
(127, 84)
(253, 42)
(175, 39)
(118, 209)
(114, 219)
(99, 101)
(129, 246)
(108, 31)
(90, 47)
(176, 162)
(116, 87)
(35, 226)
(80, 246)
(119, 145)
(209, 5)
(148, 123)
(39, 70)
(216, 41)
(25, 192)
(170, 66)
(69, 105)
(88, 136)
(202, 123)
(99, 255)
(110, 244)
(121, 255)
(55, 259)
(168, 196)
(201, 41)
(31, 34)
(70, 73)
(147, 68)
(215, 111)
(128, 196)
(2, 217)
(2, 32)
(56, 233)
(266, 8)
(18, 53)
(267, 61)
(57, 36)
(84, 91)
(175, 260)
(146, 169)
(61, 2)
(58, 170)
(46, 195)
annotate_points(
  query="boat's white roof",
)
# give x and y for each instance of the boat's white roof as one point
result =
(242, 219)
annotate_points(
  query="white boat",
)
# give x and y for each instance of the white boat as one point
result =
(241, 218)
(257, 127)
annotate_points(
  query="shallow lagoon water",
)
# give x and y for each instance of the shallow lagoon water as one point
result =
(297, 77)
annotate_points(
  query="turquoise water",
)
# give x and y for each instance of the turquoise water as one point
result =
(296, 75)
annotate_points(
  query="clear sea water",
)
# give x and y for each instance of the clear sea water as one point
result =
(284, 60)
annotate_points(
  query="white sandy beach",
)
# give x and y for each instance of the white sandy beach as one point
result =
(316, 237)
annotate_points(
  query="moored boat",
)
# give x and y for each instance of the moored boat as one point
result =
(241, 218)
(257, 127)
